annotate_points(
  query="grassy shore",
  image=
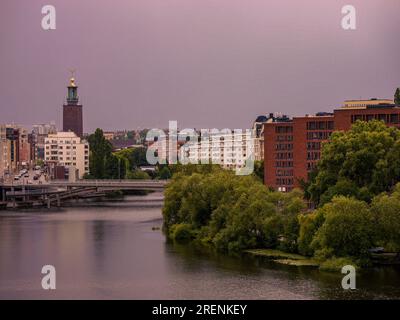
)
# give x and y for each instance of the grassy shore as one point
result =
(284, 257)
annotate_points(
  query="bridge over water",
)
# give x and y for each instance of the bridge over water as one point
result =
(56, 191)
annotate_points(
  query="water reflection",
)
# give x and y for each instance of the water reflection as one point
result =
(110, 251)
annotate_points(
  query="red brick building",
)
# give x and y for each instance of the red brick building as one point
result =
(292, 148)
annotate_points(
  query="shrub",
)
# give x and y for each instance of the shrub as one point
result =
(386, 210)
(348, 228)
(309, 225)
(336, 264)
(182, 232)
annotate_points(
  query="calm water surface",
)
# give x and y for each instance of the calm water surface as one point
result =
(109, 250)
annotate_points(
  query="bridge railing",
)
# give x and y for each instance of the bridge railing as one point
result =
(110, 182)
(90, 183)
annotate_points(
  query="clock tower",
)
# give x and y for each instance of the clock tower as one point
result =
(72, 110)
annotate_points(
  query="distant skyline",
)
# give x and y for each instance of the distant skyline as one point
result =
(204, 63)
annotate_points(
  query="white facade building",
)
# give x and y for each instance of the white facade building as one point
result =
(44, 129)
(230, 149)
(67, 149)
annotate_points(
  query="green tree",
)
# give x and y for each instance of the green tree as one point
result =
(348, 228)
(138, 174)
(259, 169)
(165, 173)
(386, 210)
(137, 157)
(117, 167)
(397, 96)
(361, 162)
(142, 134)
(101, 158)
(231, 212)
(309, 225)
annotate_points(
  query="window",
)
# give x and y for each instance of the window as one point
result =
(356, 117)
(283, 129)
(311, 125)
(394, 118)
(382, 117)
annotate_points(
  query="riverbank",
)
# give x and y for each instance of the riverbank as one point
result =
(329, 265)
(284, 258)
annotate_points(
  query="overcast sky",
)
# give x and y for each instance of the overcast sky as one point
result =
(204, 63)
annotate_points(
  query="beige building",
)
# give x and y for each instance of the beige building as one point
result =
(362, 104)
(68, 150)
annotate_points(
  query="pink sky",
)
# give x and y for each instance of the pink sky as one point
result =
(204, 63)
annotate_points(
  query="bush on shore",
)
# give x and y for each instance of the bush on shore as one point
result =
(235, 213)
(181, 232)
(232, 212)
(336, 264)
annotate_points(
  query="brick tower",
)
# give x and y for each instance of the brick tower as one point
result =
(72, 111)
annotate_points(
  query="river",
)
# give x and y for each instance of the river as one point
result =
(115, 250)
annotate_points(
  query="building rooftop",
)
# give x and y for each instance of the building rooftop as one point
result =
(362, 103)
(68, 134)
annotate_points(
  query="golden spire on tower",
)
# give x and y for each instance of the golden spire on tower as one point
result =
(72, 79)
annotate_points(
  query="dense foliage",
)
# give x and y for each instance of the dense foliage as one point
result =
(259, 169)
(360, 163)
(103, 164)
(231, 212)
(124, 164)
(234, 213)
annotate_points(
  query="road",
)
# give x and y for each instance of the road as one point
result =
(9, 179)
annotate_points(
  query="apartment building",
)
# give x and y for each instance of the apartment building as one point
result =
(228, 148)
(15, 148)
(292, 147)
(68, 150)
